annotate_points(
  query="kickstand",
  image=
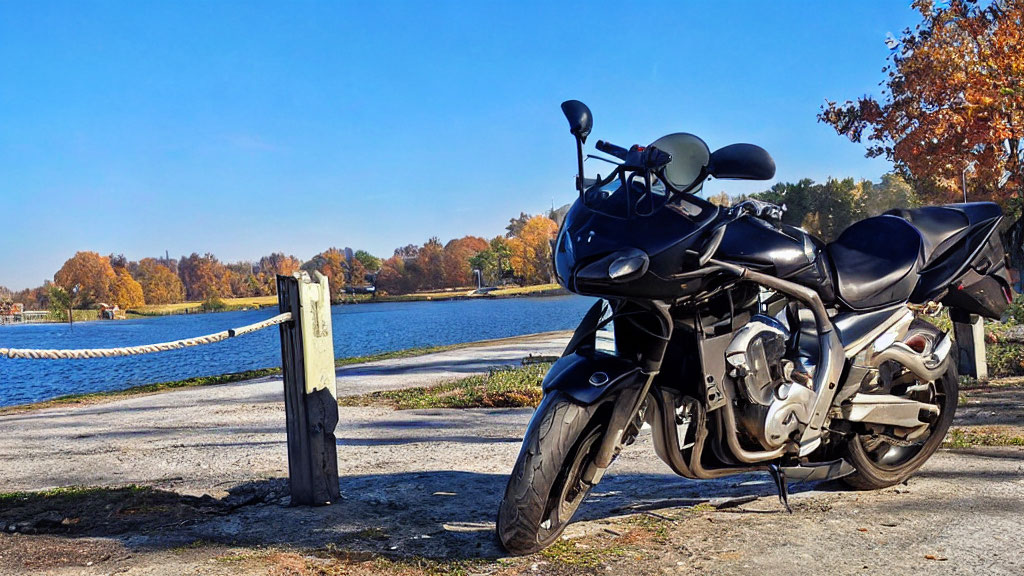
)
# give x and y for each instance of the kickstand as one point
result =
(780, 482)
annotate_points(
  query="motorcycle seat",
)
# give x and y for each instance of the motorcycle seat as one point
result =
(876, 262)
(941, 227)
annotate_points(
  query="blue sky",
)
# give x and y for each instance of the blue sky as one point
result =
(247, 128)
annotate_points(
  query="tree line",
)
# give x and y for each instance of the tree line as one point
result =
(826, 209)
(89, 279)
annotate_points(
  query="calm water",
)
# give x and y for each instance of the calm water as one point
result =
(358, 330)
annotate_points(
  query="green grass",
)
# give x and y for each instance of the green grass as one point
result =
(982, 436)
(70, 493)
(181, 307)
(527, 290)
(504, 388)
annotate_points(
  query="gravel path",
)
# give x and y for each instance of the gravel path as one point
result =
(427, 483)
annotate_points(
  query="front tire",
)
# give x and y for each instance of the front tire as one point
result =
(545, 489)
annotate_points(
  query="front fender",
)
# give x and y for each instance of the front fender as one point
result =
(589, 378)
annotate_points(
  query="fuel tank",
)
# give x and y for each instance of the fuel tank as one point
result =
(782, 251)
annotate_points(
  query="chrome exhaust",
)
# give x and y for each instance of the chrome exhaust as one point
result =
(927, 367)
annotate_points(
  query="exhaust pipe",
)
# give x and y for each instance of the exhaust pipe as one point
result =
(927, 367)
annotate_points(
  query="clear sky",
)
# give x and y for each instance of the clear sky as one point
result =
(244, 128)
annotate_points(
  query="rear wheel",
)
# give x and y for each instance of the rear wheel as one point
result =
(546, 486)
(883, 459)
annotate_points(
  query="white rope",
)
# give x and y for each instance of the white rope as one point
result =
(145, 348)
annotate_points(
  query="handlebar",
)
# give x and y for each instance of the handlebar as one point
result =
(609, 148)
(637, 157)
(760, 208)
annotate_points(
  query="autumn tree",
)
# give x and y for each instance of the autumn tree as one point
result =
(530, 250)
(330, 263)
(160, 285)
(394, 278)
(270, 267)
(125, 291)
(953, 99)
(430, 265)
(91, 273)
(456, 260)
(204, 277)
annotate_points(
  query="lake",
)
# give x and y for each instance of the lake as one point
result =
(359, 330)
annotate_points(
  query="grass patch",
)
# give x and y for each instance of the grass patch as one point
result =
(527, 290)
(981, 436)
(575, 554)
(502, 388)
(70, 493)
(187, 307)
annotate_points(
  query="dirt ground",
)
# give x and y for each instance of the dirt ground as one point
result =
(193, 482)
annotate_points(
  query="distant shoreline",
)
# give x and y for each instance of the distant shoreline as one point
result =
(259, 302)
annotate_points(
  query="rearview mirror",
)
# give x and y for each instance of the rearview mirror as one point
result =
(690, 156)
(580, 120)
(742, 162)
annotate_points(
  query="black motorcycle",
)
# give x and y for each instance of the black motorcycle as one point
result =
(746, 344)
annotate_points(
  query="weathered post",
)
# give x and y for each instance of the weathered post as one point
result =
(969, 331)
(310, 396)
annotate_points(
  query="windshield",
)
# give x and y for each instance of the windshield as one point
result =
(627, 196)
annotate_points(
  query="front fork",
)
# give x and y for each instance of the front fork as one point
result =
(624, 380)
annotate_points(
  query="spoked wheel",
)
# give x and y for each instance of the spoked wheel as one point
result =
(881, 456)
(546, 486)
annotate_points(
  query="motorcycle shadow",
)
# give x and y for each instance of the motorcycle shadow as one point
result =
(434, 514)
(451, 514)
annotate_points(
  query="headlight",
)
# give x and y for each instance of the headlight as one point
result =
(621, 266)
(626, 266)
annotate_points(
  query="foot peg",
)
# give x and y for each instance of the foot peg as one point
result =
(779, 475)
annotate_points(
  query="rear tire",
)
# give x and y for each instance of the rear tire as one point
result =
(870, 474)
(544, 489)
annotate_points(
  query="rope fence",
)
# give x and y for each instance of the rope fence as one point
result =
(145, 348)
(307, 367)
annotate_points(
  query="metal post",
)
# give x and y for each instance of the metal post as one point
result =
(310, 397)
(969, 331)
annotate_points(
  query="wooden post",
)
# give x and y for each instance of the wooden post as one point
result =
(310, 396)
(969, 331)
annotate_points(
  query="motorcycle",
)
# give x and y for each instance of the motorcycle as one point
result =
(746, 344)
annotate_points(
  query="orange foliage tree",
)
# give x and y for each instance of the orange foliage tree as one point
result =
(159, 284)
(456, 257)
(204, 277)
(125, 291)
(953, 98)
(430, 265)
(93, 275)
(272, 265)
(531, 250)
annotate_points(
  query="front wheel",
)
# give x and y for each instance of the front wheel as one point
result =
(546, 485)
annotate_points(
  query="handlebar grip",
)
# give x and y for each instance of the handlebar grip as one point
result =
(609, 148)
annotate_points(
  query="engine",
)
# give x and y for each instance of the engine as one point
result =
(772, 398)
